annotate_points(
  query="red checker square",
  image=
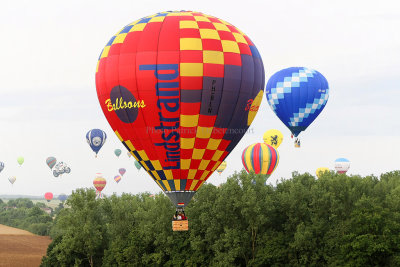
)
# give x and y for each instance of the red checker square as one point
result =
(213, 70)
(205, 25)
(208, 154)
(248, 40)
(191, 56)
(191, 83)
(168, 57)
(176, 173)
(207, 121)
(226, 35)
(197, 14)
(168, 39)
(198, 175)
(210, 165)
(218, 133)
(189, 33)
(131, 42)
(197, 185)
(200, 143)
(232, 28)
(244, 49)
(186, 153)
(188, 17)
(184, 174)
(188, 183)
(187, 132)
(190, 108)
(212, 45)
(114, 49)
(194, 164)
(232, 59)
(214, 20)
(223, 145)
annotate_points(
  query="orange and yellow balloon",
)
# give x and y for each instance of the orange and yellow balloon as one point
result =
(221, 167)
(260, 158)
(320, 171)
(273, 138)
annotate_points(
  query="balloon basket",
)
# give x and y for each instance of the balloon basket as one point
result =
(180, 225)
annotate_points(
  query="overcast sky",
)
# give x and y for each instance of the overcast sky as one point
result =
(48, 100)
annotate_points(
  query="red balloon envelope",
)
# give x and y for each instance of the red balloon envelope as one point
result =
(48, 196)
(180, 89)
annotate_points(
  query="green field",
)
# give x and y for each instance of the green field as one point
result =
(52, 204)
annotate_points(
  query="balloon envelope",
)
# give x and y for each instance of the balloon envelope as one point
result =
(1, 166)
(342, 165)
(122, 171)
(48, 196)
(180, 89)
(221, 167)
(260, 158)
(320, 171)
(62, 197)
(273, 138)
(20, 160)
(96, 139)
(117, 152)
(297, 95)
(12, 179)
(99, 182)
(51, 161)
(137, 165)
(117, 178)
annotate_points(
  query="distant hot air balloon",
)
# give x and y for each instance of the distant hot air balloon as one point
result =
(51, 161)
(273, 138)
(62, 197)
(20, 160)
(297, 96)
(221, 167)
(117, 178)
(129, 154)
(12, 179)
(180, 90)
(137, 165)
(48, 196)
(320, 171)
(1, 166)
(96, 139)
(99, 183)
(122, 171)
(342, 165)
(260, 158)
(117, 152)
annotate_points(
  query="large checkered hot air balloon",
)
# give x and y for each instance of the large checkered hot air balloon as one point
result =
(180, 89)
(297, 95)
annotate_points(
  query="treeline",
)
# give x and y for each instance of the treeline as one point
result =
(22, 213)
(333, 221)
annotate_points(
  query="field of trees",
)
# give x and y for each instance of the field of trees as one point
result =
(336, 220)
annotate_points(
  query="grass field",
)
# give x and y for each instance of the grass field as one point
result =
(52, 204)
(21, 248)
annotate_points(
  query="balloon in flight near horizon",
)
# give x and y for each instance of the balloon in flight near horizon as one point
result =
(273, 138)
(117, 152)
(96, 139)
(20, 160)
(1, 166)
(180, 89)
(117, 178)
(137, 165)
(342, 165)
(122, 171)
(297, 96)
(260, 158)
(320, 171)
(12, 179)
(221, 167)
(48, 196)
(99, 183)
(51, 161)
(62, 197)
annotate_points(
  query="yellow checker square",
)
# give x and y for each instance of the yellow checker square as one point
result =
(221, 27)
(193, 185)
(177, 185)
(217, 155)
(156, 164)
(129, 144)
(187, 143)
(138, 27)
(216, 165)
(119, 39)
(209, 34)
(156, 175)
(97, 66)
(203, 164)
(185, 164)
(105, 52)
(191, 174)
(156, 19)
(168, 174)
(143, 155)
(190, 44)
(204, 175)
(230, 46)
(224, 22)
(239, 38)
(213, 57)
(201, 18)
(189, 120)
(213, 143)
(119, 136)
(204, 132)
(198, 153)
(191, 69)
(145, 165)
(188, 24)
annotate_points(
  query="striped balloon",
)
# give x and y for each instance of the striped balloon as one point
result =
(51, 161)
(117, 178)
(221, 167)
(260, 158)
(99, 182)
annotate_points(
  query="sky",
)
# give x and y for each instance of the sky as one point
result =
(48, 99)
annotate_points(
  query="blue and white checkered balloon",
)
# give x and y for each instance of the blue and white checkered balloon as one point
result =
(297, 95)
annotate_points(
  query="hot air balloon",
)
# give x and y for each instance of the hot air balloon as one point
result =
(297, 96)
(62, 197)
(137, 165)
(320, 171)
(221, 167)
(48, 196)
(12, 179)
(99, 183)
(117, 178)
(342, 165)
(129, 154)
(180, 90)
(273, 138)
(20, 160)
(122, 171)
(96, 139)
(51, 161)
(1, 166)
(260, 158)
(117, 152)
